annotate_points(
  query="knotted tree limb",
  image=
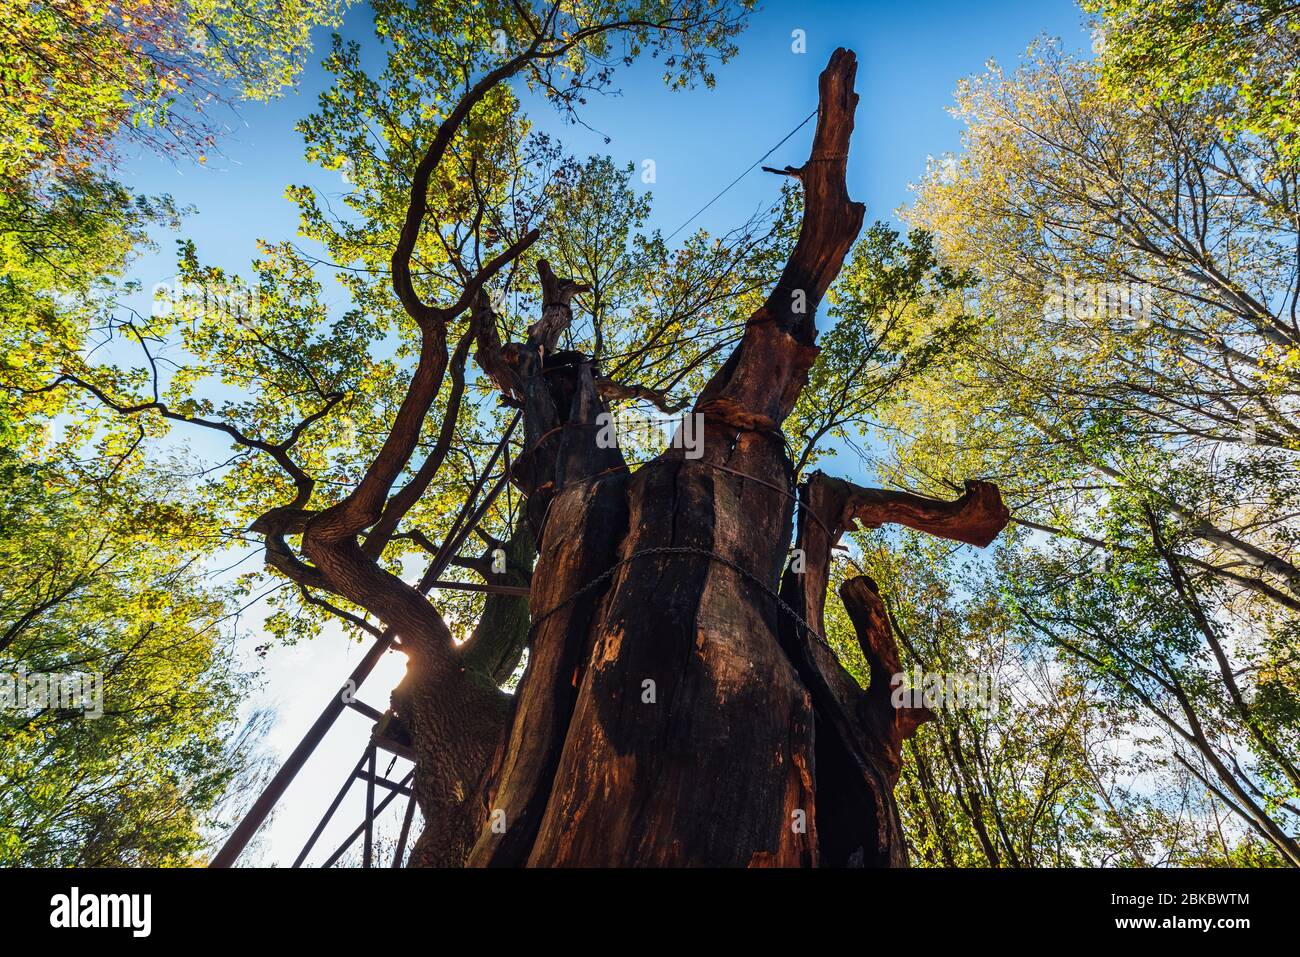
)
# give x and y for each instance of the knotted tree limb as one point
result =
(860, 737)
(887, 726)
(974, 519)
(758, 385)
(406, 497)
(831, 506)
(609, 389)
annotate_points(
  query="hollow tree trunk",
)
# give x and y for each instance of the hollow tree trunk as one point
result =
(679, 705)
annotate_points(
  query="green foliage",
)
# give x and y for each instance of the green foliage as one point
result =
(1131, 388)
(267, 353)
(1062, 772)
(894, 310)
(1241, 56)
(100, 577)
(101, 558)
(76, 76)
(61, 256)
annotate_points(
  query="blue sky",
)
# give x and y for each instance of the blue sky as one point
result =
(910, 56)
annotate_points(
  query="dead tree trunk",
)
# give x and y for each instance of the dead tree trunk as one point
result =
(680, 706)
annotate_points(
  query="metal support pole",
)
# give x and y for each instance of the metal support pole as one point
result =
(261, 808)
(329, 813)
(360, 828)
(406, 830)
(367, 855)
